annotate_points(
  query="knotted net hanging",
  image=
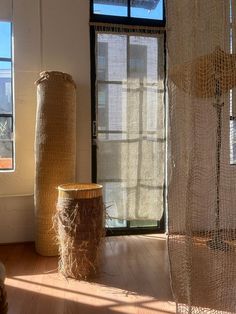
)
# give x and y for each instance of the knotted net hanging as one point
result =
(202, 178)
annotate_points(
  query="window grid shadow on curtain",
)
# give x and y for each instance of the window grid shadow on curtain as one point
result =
(130, 121)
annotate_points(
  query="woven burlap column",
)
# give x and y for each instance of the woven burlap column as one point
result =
(54, 151)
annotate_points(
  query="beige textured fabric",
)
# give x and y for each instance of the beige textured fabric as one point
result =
(54, 151)
(131, 124)
(202, 183)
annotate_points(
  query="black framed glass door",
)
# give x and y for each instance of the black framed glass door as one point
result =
(129, 130)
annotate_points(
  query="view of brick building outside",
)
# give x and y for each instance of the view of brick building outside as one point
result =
(5, 122)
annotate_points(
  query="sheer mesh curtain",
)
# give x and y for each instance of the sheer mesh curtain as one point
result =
(202, 183)
(130, 114)
(233, 111)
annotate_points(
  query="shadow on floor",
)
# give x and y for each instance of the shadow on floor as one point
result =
(130, 267)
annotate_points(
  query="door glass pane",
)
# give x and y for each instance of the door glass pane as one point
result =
(130, 124)
(114, 191)
(110, 7)
(143, 223)
(5, 40)
(111, 57)
(149, 9)
(5, 88)
(115, 223)
(102, 104)
(111, 113)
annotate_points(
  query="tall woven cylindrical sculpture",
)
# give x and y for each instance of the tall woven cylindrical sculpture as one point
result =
(54, 151)
(80, 226)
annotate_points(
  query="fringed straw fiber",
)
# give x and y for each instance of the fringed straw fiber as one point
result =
(80, 225)
(3, 299)
(55, 151)
(3, 294)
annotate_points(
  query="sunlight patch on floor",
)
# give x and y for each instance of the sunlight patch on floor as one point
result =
(117, 299)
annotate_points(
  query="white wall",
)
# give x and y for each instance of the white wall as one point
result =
(64, 47)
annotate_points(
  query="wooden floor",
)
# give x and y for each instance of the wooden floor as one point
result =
(134, 278)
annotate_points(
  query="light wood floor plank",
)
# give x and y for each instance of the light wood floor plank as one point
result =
(133, 279)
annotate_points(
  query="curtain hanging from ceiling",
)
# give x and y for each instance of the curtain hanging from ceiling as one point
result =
(202, 182)
(130, 120)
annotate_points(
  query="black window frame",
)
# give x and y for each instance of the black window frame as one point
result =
(129, 21)
(9, 115)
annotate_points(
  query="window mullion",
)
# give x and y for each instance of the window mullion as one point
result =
(129, 8)
(109, 82)
(5, 59)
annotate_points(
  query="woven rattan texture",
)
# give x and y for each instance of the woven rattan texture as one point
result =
(54, 151)
(79, 190)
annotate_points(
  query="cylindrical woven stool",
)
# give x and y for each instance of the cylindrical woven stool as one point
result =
(55, 151)
(3, 294)
(80, 222)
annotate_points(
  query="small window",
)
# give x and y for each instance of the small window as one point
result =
(144, 9)
(152, 9)
(111, 7)
(6, 103)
